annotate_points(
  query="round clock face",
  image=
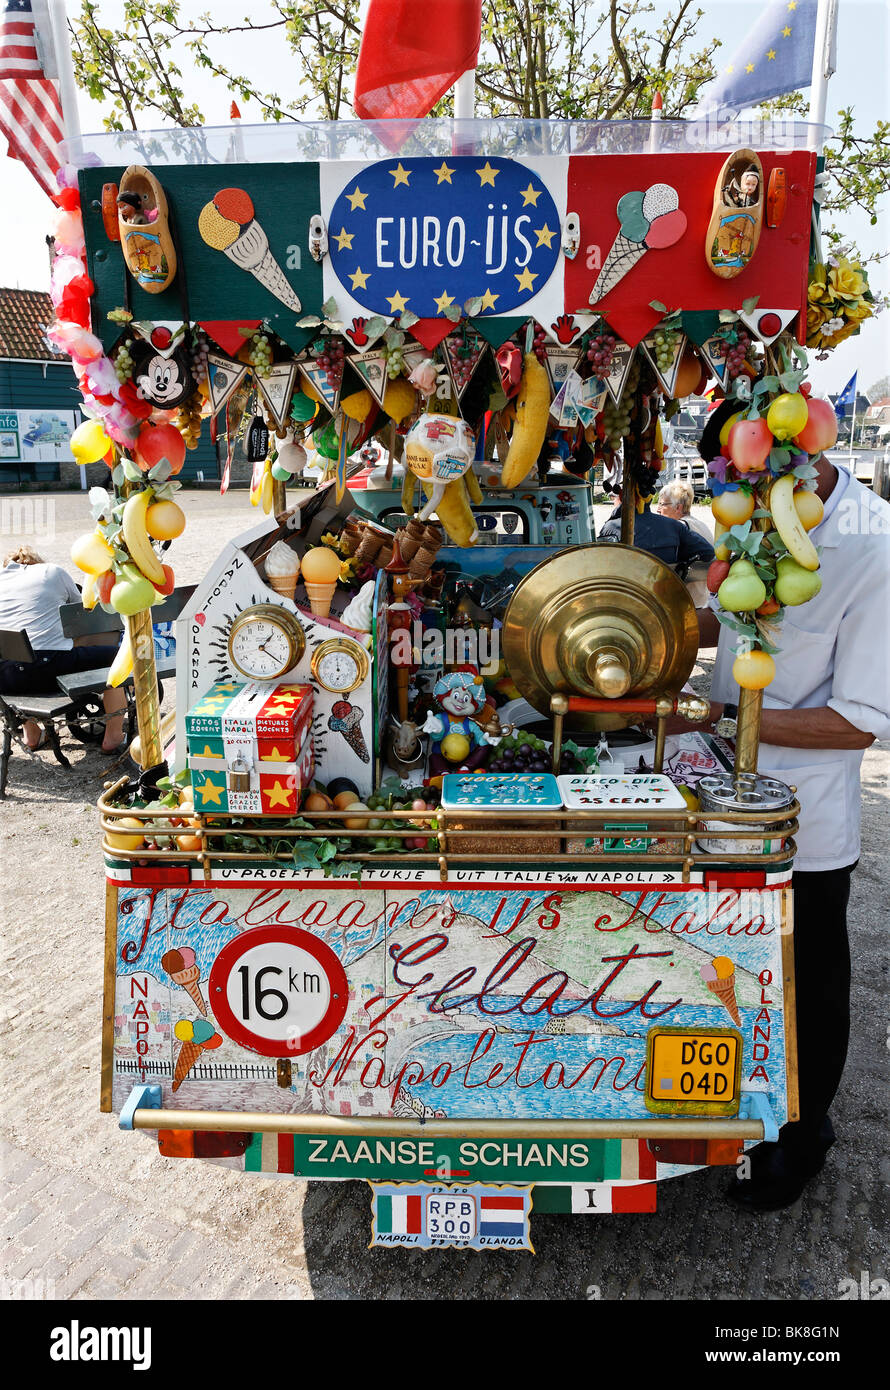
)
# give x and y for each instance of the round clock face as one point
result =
(340, 665)
(265, 642)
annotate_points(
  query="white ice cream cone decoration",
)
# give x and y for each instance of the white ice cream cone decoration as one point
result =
(228, 224)
(282, 566)
(649, 221)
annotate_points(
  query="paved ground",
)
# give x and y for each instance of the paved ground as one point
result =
(100, 1215)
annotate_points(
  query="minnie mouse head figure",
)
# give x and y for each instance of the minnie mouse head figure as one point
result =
(164, 377)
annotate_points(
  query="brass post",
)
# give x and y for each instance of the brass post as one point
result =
(747, 740)
(660, 736)
(145, 683)
(628, 505)
(558, 708)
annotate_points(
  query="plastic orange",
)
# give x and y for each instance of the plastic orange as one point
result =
(809, 508)
(164, 521)
(733, 508)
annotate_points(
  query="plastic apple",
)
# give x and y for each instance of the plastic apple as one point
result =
(169, 584)
(158, 442)
(749, 445)
(767, 609)
(132, 593)
(104, 585)
(795, 585)
(787, 415)
(92, 553)
(717, 572)
(742, 591)
(733, 508)
(820, 430)
(89, 442)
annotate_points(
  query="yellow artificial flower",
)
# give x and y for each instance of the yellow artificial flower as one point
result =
(859, 311)
(846, 281)
(817, 291)
(816, 316)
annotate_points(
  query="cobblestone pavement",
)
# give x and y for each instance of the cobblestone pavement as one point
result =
(98, 1214)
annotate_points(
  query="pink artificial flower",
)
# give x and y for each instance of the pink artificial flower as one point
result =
(65, 269)
(67, 229)
(425, 377)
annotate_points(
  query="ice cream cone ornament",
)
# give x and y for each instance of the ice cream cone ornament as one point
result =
(194, 1037)
(321, 570)
(228, 224)
(649, 221)
(719, 977)
(181, 967)
(282, 566)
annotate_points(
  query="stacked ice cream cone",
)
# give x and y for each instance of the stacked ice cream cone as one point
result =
(182, 969)
(719, 977)
(228, 224)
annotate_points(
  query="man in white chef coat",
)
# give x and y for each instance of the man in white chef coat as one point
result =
(829, 701)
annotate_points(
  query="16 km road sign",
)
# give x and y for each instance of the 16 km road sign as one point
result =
(278, 991)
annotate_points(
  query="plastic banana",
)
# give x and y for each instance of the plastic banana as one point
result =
(89, 597)
(122, 666)
(137, 539)
(721, 552)
(409, 487)
(532, 410)
(788, 523)
(454, 512)
(473, 488)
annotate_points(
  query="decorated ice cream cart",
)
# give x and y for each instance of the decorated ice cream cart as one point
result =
(419, 888)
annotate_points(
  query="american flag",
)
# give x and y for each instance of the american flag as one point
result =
(30, 109)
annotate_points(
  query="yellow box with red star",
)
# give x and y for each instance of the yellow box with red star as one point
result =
(250, 748)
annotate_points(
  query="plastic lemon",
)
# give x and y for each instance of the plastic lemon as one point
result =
(92, 553)
(787, 415)
(455, 747)
(89, 442)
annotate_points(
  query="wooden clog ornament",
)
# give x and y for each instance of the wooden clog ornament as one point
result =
(737, 219)
(144, 227)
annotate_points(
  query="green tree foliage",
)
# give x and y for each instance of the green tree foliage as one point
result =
(565, 59)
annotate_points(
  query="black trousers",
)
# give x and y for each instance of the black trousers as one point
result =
(822, 983)
(38, 677)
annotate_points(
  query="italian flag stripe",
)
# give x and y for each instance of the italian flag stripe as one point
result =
(399, 1214)
(612, 1159)
(285, 1153)
(253, 1154)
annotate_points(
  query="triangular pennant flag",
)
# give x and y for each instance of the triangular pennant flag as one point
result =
(713, 350)
(276, 389)
(430, 332)
(568, 328)
(317, 376)
(666, 371)
(463, 352)
(700, 324)
(622, 356)
(412, 356)
(371, 367)
(228, 332)
(767, 324)
(497, 331)
(223, 379)
(559, 361)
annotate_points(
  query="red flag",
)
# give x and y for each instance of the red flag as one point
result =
(412, 51)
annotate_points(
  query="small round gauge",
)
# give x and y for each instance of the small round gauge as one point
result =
(265, 641)
(340, 664)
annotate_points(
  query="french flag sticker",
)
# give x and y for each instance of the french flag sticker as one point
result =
(502, 1215)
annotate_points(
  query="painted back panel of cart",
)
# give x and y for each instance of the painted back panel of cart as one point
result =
(511, 999)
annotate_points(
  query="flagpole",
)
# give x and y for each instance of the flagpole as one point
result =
(65, 68)
(823, 60)
(465, 96)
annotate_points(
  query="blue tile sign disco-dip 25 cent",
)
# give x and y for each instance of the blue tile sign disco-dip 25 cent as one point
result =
(423, 234)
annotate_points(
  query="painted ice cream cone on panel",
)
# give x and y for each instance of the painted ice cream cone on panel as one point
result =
(228, 224)
(180, 966)
(649, 221)
(719, 977)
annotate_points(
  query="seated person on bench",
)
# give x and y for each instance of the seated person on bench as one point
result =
(31, 594)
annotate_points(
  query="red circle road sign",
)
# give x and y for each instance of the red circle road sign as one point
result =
(278, 991)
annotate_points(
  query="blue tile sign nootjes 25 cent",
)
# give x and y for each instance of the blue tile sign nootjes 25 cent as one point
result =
(424, 235)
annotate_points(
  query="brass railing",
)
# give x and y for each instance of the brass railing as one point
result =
(457, 834)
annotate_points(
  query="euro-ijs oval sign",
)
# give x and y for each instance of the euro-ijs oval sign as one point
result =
(423, 235)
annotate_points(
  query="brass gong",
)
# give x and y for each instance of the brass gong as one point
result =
(600, 620)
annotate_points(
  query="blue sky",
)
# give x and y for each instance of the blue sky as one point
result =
(861, 81)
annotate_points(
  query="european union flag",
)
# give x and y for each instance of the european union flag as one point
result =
(846, 397)
(776, 57)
